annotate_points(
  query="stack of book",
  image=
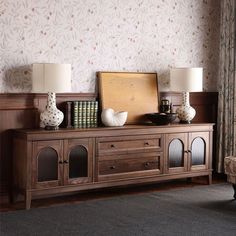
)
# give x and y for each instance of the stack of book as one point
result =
(84, 114)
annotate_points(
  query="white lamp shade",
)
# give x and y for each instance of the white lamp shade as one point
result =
(49, 77)
(186, 79)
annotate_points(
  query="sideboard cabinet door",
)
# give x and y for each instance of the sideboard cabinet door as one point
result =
(176, 155)
(47, 163)
(199, 150)
(187, 152)
(78, 161)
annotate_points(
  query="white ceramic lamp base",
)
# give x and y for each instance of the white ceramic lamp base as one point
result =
(51, 118)
(185, 112)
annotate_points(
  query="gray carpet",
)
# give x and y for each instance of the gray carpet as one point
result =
(199, 210)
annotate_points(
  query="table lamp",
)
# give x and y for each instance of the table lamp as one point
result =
(186, 80)
(51, 78)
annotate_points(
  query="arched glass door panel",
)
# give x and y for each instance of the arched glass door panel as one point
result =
(47, 165)
(198, 149)
(78, 162)
(176, 153)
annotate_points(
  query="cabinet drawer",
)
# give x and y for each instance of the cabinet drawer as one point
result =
(129, 144)
(134, 165)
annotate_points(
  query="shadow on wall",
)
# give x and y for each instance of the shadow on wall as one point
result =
(17, 78)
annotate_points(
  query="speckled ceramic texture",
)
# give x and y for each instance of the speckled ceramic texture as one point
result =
(107, 35)
(185, 112)
(51, 116)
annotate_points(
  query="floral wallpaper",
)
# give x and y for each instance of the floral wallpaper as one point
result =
(107, 35)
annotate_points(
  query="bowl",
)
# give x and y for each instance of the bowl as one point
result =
(161, 118)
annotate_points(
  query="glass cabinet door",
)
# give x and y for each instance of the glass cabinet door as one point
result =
(176, 154)
(78, 161)
(47, 165)
(198, 150)
(47, 157)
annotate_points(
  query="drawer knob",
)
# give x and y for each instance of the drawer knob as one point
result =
(66, 161)
(60, 162)
(112, 145)
(146, 143)
(112, 167)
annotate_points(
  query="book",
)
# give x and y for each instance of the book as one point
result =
(68, 115)
(75, 114)
(85, 114)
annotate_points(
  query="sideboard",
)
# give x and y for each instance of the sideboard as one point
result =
(69, 160)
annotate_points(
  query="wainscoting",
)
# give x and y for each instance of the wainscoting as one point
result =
(22, 111)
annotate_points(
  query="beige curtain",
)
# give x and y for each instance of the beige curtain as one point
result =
(226, 124)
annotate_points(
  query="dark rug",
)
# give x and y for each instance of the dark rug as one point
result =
(199, 210)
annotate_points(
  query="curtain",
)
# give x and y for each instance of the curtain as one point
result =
(226, 123)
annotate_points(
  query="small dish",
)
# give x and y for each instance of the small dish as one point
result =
(161, 118)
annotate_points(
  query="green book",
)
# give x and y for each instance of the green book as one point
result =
(75, 114)
(95, 114)
(84, 117)
(79, 114)
(92, 107)
(85, 114)
(88, 114)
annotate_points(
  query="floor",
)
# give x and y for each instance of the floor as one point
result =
(106, 193)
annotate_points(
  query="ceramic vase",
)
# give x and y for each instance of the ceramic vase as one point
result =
(51, 118)
(185, 112)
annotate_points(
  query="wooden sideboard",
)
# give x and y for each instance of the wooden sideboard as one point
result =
(21, 110)
(69, 160)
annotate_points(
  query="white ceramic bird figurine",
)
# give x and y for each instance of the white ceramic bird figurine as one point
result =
(112, 118)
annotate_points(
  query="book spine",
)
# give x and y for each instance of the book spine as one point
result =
(85, 114)
(84, 117)
(92, 106)
(69, 115)
(79, 114)
(88, 114)
(75, 114)
(96, 114)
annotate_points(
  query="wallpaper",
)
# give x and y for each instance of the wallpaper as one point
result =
(107, 35)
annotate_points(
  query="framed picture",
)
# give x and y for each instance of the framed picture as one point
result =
(136, 93)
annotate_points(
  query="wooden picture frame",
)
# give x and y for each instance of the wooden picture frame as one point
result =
(134, 92)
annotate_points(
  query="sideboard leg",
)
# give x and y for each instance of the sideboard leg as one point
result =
(210, 179)
(234, 186)
(27, 200)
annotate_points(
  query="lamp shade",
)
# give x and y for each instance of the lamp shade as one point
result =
(49, 77)
(186, 79)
